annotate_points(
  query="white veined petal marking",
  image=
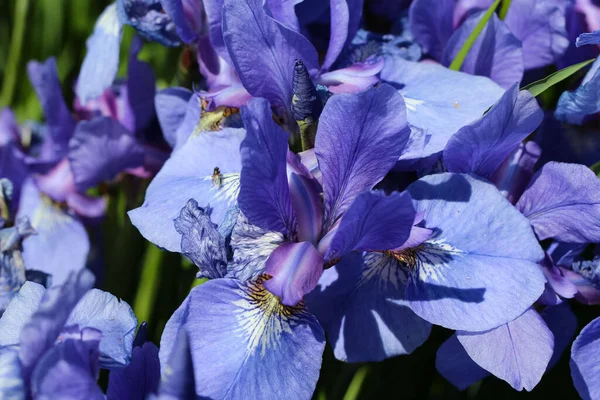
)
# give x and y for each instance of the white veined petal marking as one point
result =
(228, 188)
(426, 261)
(385, 268)
(263, 318)
(412, 104)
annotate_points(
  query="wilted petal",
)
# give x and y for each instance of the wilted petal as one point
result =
(482, 146)
(373, 222)
(359, 139)
(171, 105)
(201, 242)
(246, 338)
(563, 202)
(139, 378)
(61, 244)
(188, 174)
(541, 26)
(436, 99)
(101, 62)
(363, 310)
(461, 282)
(149, 20)
(251, 247)
(264, 192)
(431, 24)
(496, 53)
(454, 364)
(177, 12)
(100, 149)
(584, 361)
(517, 352)
(114, 318)
(263, 51)
(295, 269)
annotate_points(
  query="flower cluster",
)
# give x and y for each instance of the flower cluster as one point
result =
(333, 185)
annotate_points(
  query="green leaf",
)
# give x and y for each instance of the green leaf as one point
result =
(504, 9)
(538, 87)
(149, 283)
(356, 383)
(596, 169)
(14, 56)
(462, 54)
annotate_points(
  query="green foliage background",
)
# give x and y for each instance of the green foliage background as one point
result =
(155, 282)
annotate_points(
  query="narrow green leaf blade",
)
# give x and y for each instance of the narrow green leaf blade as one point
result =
(356, 383)
(538, 87)
(596, 169)
(504, 9)
(462, 54)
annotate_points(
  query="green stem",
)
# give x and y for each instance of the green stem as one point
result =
(149, 282)
(504, 9)
(14, 56)
(356, 383)
(462, 54)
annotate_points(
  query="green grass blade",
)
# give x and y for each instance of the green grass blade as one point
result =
(356, 383)
(14, 57)
(149, 282)
(538, 87)
(504, 9)
(462, 54)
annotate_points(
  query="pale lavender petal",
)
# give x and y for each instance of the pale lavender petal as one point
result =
(563, 202)
(171, 105)
(517, 352)
(541, 26)
(101, 62)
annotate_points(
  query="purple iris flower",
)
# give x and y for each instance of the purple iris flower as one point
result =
(56, 340)
(560, 202)
(284, 235)
(584, 361)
